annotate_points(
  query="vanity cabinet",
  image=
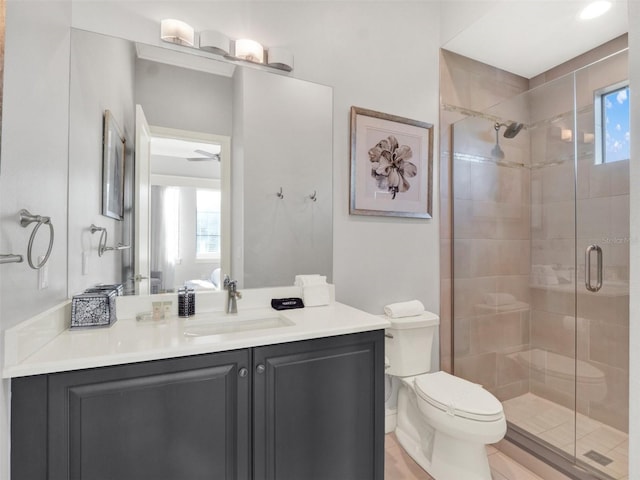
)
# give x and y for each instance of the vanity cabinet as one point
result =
(312, 409)
(183, 418)
(319, 409)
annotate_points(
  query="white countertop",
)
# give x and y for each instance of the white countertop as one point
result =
(129, 340)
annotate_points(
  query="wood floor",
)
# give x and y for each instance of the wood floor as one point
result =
(400, 466)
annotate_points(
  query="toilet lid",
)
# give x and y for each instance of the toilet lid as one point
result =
(458, 397)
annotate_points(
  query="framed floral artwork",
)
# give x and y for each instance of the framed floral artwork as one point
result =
(113, 153)
(391, 165)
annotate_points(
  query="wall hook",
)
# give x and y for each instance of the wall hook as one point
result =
(314, 196)
(280, 195)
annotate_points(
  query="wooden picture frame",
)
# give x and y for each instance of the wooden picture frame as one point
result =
(391, 165)
(113, 157)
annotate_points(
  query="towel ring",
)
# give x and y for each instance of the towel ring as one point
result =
(27, 219)
(102, 243)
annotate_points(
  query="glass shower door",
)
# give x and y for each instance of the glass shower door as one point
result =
(602, 244)
(530, 321)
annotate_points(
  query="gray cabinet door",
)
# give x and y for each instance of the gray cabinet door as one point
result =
(319, 409)
(179, 419)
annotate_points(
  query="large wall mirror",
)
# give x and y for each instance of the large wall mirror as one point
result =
(228, 169)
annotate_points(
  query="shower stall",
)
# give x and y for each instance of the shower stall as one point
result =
(540, 245)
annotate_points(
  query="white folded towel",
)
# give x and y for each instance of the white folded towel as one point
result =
(306, 280)
(498, 299)
(316, 295)
(404, 309)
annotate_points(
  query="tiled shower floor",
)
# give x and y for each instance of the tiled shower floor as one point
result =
(555, 424)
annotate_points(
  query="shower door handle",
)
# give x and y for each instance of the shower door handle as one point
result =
(587, 268)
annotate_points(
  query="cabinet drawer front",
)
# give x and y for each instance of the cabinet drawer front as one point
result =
(318, 409)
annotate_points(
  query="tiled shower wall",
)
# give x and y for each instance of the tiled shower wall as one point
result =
(513, 223)
(491, 264)
(467, 87)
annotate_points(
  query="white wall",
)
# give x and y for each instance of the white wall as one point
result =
(33, 169)
(34, 151)
(346, 45)
(634, 282)
(184, 99)
(101, 78)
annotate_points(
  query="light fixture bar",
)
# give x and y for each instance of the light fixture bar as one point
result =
(248, 50)
(211, 41)
(176, 31)
(214, 42)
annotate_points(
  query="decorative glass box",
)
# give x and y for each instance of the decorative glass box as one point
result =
(93, 309)
(118, 287)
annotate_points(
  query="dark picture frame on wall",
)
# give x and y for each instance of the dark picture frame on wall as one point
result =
(391, 165)
(113, 157)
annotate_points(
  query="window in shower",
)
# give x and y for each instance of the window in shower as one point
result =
(612, 124)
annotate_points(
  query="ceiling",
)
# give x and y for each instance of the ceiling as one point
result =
(184, 158)
(527, 37)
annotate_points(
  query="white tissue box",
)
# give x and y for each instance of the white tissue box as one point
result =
(316, 295)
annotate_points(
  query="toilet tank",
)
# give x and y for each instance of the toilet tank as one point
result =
(408, 344)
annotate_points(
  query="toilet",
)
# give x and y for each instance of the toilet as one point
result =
(444, 422)
(564, 373)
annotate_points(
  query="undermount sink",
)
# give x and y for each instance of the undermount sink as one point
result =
(218, 324)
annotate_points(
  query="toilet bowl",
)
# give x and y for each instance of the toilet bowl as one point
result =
(443, 422)
(564, 373)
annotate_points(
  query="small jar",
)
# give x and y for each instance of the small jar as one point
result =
(191, 298)
(183, 302)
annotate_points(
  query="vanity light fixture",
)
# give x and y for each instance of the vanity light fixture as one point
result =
(566, 135)
(280, 58)
(177, 31)
(248, 50)
(214, 42)
(595, 9)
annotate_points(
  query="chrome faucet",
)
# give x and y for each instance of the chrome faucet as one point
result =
(232, 295)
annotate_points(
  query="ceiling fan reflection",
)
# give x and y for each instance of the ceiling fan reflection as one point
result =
(204, 156)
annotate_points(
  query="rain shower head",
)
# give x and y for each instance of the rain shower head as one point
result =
(512, 129)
